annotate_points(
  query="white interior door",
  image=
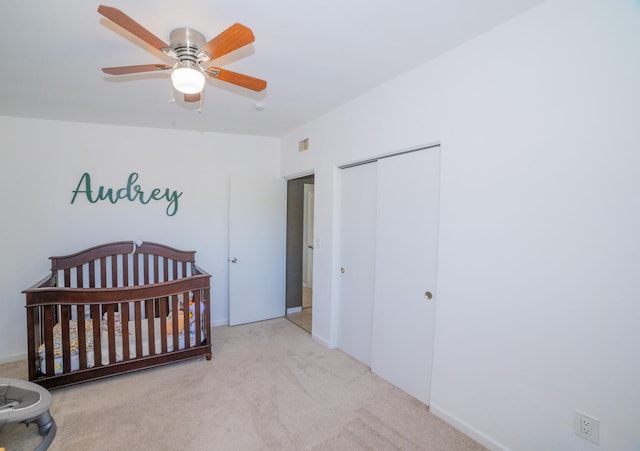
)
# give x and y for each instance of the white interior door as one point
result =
(406, 265)
(357, 260)
(256, 249)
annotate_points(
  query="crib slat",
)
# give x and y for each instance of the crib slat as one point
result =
(82, 336)
(103, 272)
(187, 320)
(66, 339)
(207, 317)
(111, 333)
(31, 340)
(145, 267)
(174, 325)
(92, 274)
(125, 270)
(136, 272)
(198, 335)
(163, 324)
(138, 320)
(150, 326)
(79, 276)
(97, 339)
(48, 338)
(156, 269)
(124, 315)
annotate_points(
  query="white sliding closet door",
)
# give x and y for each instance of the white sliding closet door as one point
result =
(357, 260)
(407, 220)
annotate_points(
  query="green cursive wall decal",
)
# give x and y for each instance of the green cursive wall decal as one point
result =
(130, 192)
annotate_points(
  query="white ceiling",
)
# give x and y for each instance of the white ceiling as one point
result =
(315, 55)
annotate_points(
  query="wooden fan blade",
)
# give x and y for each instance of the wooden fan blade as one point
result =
(192, 97)
(245, 81)
(231, 39)
(123, 70)
(118, 17)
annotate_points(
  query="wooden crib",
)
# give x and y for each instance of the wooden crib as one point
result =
(116, 308)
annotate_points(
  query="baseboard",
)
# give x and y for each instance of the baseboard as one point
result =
(465, 428)
(12, 358)
(320, 340)
(294, 310)
(220, 322)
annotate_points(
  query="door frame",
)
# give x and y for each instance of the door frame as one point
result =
(294, 241)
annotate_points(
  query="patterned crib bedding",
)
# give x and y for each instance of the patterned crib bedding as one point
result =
(104, 340)
(73, 338)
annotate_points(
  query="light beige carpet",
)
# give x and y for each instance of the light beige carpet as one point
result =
(268, 387)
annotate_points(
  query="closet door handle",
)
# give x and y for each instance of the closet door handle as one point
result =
(428, 295)
(234, 260)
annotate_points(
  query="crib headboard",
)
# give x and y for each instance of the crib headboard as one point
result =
(122, 264)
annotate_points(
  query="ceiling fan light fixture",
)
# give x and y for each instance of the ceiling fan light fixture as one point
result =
(187, 80)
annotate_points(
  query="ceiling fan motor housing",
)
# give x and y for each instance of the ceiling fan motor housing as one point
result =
(186, 42)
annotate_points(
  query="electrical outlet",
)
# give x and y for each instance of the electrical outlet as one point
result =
(587, 427)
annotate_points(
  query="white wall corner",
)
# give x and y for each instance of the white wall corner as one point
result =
(321, 341)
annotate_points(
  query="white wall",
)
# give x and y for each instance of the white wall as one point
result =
(539, 253)
(42, 163)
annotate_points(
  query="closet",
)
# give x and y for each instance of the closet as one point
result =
(388, 238)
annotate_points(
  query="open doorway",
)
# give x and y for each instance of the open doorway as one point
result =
(300, 240)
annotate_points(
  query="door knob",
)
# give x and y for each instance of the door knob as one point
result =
(234, 260)
(428, 295)
(342, 270)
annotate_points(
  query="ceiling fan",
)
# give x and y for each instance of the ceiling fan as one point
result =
(191, 52)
